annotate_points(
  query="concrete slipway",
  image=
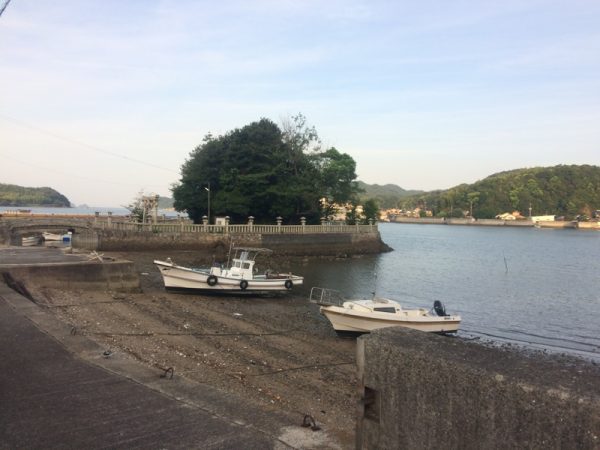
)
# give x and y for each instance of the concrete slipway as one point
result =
(60, 390)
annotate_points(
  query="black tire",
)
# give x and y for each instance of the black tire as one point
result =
(211, 280)
(288, 284)
(243, 285)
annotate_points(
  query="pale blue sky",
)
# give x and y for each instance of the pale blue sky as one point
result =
(424, 94)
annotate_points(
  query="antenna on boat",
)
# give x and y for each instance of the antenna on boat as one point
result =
(229, 254)
(375, 290)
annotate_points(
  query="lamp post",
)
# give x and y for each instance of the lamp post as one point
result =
(208, 190)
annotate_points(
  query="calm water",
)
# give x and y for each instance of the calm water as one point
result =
(80, 210)
(533, 287)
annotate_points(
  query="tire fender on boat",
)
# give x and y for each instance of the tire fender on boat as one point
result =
(288, 284)
(211, 280)
(243, 285)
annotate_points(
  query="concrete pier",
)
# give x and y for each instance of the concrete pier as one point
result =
(423, 391)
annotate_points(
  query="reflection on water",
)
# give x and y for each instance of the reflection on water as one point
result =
(534, 287)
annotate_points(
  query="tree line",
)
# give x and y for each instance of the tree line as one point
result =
(13, 195)
(563, 190)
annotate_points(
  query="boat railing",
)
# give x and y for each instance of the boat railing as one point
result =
(326, 297)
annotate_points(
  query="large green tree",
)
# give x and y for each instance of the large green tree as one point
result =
(260, 171)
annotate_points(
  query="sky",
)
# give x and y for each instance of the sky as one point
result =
(102, 100)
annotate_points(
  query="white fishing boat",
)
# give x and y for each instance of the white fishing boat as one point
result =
(52, 236)
(363, 316)
(30, 241)
(240, 277)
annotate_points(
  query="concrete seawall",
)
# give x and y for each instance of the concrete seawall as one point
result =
(498, 223)
(119, 276)
(320, 244)
(423, 391)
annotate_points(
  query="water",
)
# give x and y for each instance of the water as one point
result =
(80, 210)
(533, 287)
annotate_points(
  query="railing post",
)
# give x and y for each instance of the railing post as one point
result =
(371, 225)
(323, 221)
(303, 223)
(96, 214)
(227, 224)
(205, 223)
(279, 219)
(110, 219)
(251, 223)
(181, 223)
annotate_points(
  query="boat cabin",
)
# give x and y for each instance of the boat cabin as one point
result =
(242, 264)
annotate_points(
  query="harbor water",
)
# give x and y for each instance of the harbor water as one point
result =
(538, 288)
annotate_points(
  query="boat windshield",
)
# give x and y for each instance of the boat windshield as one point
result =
(387, 309)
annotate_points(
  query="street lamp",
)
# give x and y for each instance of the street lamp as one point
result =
(208, 190)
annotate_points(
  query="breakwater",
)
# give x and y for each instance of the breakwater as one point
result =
(426, 391)
(109, 234)
(497, 222)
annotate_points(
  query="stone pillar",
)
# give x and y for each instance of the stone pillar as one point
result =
(180, 222)
(205, 223)
(251, 223)
(227, 224)
(323, 222)
(303, 223)
(109, 219)
(155, 209)
(371, 224)
(96, 215)
(279, 219)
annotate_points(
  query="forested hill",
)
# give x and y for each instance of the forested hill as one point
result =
(13, 195)
(560, 190)
(387, 195)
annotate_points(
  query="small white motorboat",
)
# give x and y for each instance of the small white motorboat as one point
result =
(30, 241)
(240, 277)
(52, 236)
(350, 317)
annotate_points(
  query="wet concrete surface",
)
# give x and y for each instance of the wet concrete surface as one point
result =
(24, 256)
(52, 399)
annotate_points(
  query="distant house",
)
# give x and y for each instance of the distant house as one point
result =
(543, 218)
(515, 215)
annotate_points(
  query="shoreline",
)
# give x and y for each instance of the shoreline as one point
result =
(499, 223)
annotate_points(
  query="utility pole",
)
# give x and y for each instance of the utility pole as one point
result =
(208, 190)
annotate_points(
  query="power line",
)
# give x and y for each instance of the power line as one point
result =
(4, 6)
(71, 175)
(82, 144)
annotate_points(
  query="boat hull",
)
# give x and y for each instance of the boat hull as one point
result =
(52, 236)
(30, 241)
(178, 278)
(347, 322)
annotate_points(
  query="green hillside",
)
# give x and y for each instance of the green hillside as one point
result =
(560, 190)
(387, 195)
(13, 195)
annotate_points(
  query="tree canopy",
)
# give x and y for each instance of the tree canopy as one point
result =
(259, 170)
(13, 195)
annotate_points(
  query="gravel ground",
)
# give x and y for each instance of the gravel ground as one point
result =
(277, 351)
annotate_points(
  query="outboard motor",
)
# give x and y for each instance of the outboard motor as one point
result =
(439, 308)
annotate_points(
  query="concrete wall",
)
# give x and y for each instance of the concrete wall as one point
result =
(118, 276)
(423, 391)
(588, 225)
(323, 244)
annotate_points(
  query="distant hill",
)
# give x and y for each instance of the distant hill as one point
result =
(564, 190)
(387, 195)
(13, 195)
(165, 203)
